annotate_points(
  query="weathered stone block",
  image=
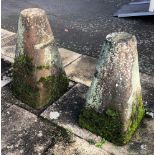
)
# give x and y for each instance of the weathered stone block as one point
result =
(38, 73)
(114, 105)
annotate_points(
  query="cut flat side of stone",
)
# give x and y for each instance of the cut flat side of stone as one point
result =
(38, 74)
(114, 105)
(81, 70)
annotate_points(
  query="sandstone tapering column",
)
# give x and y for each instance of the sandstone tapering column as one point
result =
(38, 75)
(114, 105)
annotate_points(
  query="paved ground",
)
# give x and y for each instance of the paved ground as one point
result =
(81, 25)
(21, 123)
(79, 68)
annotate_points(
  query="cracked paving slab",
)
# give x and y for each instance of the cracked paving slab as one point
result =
(24, 133)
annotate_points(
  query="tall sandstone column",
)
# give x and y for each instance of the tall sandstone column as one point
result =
(114, 105)
(38, 73)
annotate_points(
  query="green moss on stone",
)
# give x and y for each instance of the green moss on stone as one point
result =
(136, 117)
(42, 67)
(56, 85)
(23, 86)
(106, 125)
(109, 124)
(100, 144)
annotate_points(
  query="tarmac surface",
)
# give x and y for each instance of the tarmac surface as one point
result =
(82, 25)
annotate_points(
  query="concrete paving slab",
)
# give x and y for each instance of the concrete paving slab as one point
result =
(69, 107)
(6, 34)
(6, 80)
(8, 49)
(24, 133)
(79, 147)
(8, 41)
(68, 56)
(9, 99)
(5, 95)
(5, 65)
(8, 53)
(82, 70)
(147, 84)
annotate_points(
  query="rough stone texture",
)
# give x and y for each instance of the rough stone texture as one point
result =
(5, 81)
(114, 100)
(4, 97)
(147, 83)
(5, 34)
(24, 133)
(38, 63)
(68, 56)
(9, 98)
(9, 40)
(82, 70)
(5, 72)
(76, 149)
(141, 143)
(8, 53)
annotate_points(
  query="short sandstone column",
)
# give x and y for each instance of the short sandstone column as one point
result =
(114, 105)
(38, 75)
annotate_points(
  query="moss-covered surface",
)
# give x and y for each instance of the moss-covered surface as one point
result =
(109, 124)
(135, 119)
(42, 67)
(56, 85)
(25, 88)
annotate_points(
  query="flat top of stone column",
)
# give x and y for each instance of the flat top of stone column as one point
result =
(30, 12)
(117, 37)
